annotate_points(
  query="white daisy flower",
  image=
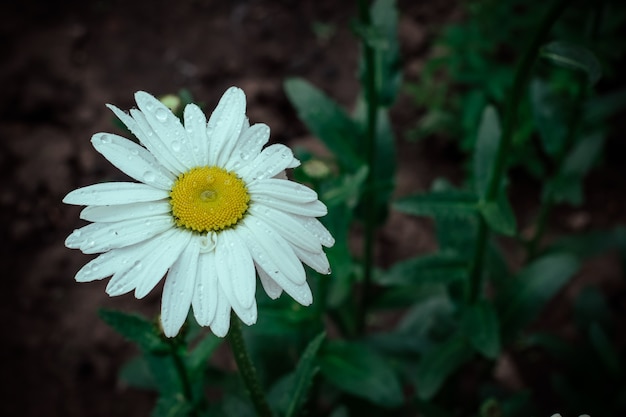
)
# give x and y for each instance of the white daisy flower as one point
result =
(212, 206)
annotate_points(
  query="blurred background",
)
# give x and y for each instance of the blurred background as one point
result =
(62, 61)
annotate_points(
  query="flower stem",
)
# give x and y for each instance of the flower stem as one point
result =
(246, 368)
(183, 375)
(371, 98)
(520, 83)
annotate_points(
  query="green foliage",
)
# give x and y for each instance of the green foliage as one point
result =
(407, 338)
(360, 371)
(525, 295)
(438, 364)
(482, 327)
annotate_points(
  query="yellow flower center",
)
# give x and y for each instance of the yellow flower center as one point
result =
(208, 199)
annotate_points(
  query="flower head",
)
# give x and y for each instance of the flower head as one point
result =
(212, 209)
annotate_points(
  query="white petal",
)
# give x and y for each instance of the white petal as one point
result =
(225, 124)
(125, 280)
(156, 145)
(135, 264)
(316, 260)
(221, 321)
(312, 209)
(109, 193)
(167, 127)
(134, 160)
(139, 127)
(236, 274)
(178, 289)
(107, 264)
(288, 227)
(270, 286)
(273, 249)
(283, 189)
(271, 161)
(124, 211)
(299, 292)
(102, 237)
(248, 146)
(316, 228)
(204, 299)
(195, 126)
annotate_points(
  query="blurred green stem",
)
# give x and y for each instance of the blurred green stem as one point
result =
(371, 98)
(181, 369)
(246, 368)
(520, 84)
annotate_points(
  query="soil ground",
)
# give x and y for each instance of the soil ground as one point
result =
(62, 61)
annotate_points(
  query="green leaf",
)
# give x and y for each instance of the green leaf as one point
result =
(486, 150)
(305, 372)
(575, 57)
(604, 348)
(567, 185)
(328, 121)
(438, 364)
(385, 19)
(137, 329)
(197, 358)
(347, 189)
(550, 114)
(439, 203)
(480, 323)
(172, 406)
(499, 215)
(164, 373)
(534, 286)
(441, 267)
(136, 373)
(354, 368)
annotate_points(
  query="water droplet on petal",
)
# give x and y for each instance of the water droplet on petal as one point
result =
(105, 139)
(176, 146)
(149, 176)
(161, 115)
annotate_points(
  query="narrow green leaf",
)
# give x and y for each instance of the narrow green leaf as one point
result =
(499, 215)
(172, 406)
(441, 267)
(328, 121)
(537, 283)
(605, 349)
(137, 329)
(196, 361)
(480, 324)
(485, 154)
(567, 185)
(355, 368)
(305, 372)
(436, 204)
(385, 19)
(550, 114)
(571, 56)
(438, 364)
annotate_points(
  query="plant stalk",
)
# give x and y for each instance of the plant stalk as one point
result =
(181, 369)
(371, 98)
(520, 83)
(246, 368)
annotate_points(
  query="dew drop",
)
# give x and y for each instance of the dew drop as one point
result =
(176, 146)
(161, 115)
(105, 139)
(149, 176)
